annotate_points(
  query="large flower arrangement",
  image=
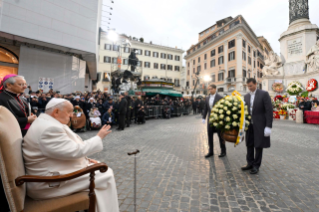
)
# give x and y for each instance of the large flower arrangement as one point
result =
(294, 88)
(278, 87)
(226, 114)
(287, 106)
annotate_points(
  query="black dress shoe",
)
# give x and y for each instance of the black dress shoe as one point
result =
(209, 155)
(247, 167)
(222, 155)
(254, 171)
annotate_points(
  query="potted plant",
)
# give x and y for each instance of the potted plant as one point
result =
(230, 115)
(282, 113)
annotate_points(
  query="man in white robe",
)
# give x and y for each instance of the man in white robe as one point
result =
(51, 148)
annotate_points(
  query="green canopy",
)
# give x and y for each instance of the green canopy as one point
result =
(167, 92)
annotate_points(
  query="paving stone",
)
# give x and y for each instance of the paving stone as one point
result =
(173, 175)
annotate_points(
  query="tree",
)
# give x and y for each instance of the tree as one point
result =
(142, 40)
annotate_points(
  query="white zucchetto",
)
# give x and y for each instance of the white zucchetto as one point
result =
(53, 102)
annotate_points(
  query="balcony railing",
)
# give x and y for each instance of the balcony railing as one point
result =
(230, 80)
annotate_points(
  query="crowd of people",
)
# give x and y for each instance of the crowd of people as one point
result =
(102, 108)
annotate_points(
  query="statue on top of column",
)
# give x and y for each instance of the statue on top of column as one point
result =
(272, 64)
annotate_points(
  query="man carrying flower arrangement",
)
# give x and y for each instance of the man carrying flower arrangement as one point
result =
(210, 101)
(258, 133)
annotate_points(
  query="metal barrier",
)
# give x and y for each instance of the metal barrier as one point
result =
(162, 111)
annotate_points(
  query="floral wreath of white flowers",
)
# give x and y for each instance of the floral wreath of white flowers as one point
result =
(294, 88)
(226, 113)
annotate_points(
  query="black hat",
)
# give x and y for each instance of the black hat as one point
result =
(122, 94)
(37, 92)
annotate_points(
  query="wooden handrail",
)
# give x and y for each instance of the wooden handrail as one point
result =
(33, 178)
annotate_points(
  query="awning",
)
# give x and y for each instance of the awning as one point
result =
(167, 92)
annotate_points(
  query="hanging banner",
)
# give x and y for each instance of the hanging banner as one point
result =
(46, 85)
(41, 83)
(51, 83)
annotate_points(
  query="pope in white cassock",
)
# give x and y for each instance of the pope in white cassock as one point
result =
(50, 148)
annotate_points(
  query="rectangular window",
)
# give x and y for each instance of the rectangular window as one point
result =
(205, 56)
(220, 76)
(169, 67)
(127, 50)
(249, 49)
(116, 48)
(170, 57)
(125, 61)
(213, 78)
(188, 64)
(220, 49)
(244, 73)
(139, 64)
(254, 64)
(231, 73)
(177, 58)
(231, 56)
(205, 66)
(231, 44)
(212, 53)
(176, 68)
(193, 62)
(163, 56)
(163, 67)
(221, 60)
(155, 54)
(198, 69)
(139, 52)
(244, 56)
(212, 63)
(107, 59)
(147, 64)
(244, 43)
(199, 59)
(176, 82)
(249, 60)
(114, 60)
(254, 53)
(155, 65)
(193, 82)
(187, 84)
(108, 47)
(258, 64)
(193, 70)
(147, 53)
(188, 72)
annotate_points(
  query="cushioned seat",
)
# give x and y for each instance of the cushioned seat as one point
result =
(74, 202)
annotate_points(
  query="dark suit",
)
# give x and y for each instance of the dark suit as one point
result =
(122, 113)
(262, 117)
(210, 129)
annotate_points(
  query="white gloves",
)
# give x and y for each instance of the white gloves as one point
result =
(203, 121)
(267, 132)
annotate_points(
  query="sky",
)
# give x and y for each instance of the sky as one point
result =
(176, 23)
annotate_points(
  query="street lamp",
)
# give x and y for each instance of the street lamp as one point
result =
(207, 78)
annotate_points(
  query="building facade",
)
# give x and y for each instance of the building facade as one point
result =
(155, 61)
(227, 53)
(56, 40)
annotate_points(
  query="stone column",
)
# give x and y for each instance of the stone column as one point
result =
(298, 10)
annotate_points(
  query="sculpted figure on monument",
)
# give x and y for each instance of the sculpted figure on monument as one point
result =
(313, 58)
(272, 63)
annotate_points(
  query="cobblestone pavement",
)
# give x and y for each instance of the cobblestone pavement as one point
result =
(173, 174)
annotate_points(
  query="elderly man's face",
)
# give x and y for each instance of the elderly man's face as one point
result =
(64, 115)
(18, 87)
